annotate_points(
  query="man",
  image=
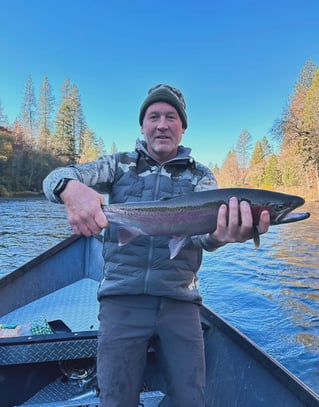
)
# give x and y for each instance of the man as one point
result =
(144, 295)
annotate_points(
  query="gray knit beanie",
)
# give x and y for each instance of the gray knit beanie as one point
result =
(168, 94)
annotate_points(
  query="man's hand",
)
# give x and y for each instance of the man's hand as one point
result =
(231, 231)
(83, 207)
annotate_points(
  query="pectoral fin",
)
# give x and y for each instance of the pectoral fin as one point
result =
(126, 235)
(176, 244)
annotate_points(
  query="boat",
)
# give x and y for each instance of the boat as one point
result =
(50, 304)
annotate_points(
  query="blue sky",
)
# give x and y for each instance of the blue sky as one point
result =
(235, 61)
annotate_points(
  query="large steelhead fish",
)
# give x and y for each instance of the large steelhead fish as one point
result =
(195, 213)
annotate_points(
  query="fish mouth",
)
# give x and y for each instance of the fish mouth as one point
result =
(291, 217)
(285, 212)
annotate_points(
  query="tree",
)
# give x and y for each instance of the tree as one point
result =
(311, 120)
(4, 122)
(64, 144)
(113, 148)
(305, 78)
(6, 145)
(70, 124)
(272, 176)
(101, 147)
(291, 123)
(291, 161)
(90, 148)
(311, 117)
(229, 174)
(45, 112)
(78, 125)
(32, 147)
(243, 148)
(28, 113)
(299, 128)
(257, 165)
(266, 147)
(216, 170)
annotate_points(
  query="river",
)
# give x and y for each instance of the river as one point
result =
(271, 293)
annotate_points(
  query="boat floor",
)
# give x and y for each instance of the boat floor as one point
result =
(77, 306)
(53, 390)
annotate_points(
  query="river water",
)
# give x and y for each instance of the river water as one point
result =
(270, 294)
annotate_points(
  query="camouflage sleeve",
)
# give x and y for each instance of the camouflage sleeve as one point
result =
(97, 174)
(202, 242)
(206, 181)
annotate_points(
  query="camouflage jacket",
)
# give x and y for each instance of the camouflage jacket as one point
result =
(143, 266)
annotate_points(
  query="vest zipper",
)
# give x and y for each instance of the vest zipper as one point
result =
(151, 246)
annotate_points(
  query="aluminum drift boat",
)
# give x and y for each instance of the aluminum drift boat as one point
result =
(57, 369)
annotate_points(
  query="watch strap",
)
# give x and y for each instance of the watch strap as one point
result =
(61, 185)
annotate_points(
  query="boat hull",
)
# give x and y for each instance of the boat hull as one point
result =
(61, 284)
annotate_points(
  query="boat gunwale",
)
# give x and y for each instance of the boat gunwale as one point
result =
(303, 392)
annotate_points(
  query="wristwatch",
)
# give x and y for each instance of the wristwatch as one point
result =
(61, 186)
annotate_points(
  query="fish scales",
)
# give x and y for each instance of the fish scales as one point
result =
(165, 220)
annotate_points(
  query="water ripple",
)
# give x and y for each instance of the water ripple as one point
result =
(272, 294)
(28, 227)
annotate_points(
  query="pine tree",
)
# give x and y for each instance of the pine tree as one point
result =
(64, 145)
(272, 172)
(78, 125)
(28, 114)
(243, 148)
(113, 148)
(70, 123)
(292, 162)
(90, 147)
(216, 170)
(101, 147)
(4, 122)
(229, 174)
(45, 112)
(266, 147)
(257, 165)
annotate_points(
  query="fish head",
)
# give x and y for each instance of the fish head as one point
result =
(281, 206)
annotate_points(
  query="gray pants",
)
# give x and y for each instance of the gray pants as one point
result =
(126, 325)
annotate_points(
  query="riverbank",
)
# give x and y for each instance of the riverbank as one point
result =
(21, 194)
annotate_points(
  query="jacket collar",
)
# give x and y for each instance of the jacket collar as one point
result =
(183, 153)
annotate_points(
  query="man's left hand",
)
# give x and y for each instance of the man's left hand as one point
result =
(229, 230)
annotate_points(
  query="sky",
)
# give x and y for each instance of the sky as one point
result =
(236, 61)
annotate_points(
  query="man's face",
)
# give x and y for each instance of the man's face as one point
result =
(163, 131)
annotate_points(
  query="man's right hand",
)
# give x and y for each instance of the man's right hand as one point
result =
(83, 207)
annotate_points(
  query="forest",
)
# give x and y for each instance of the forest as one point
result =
(48, 134)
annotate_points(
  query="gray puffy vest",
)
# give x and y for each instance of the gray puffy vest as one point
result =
(144, 266)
